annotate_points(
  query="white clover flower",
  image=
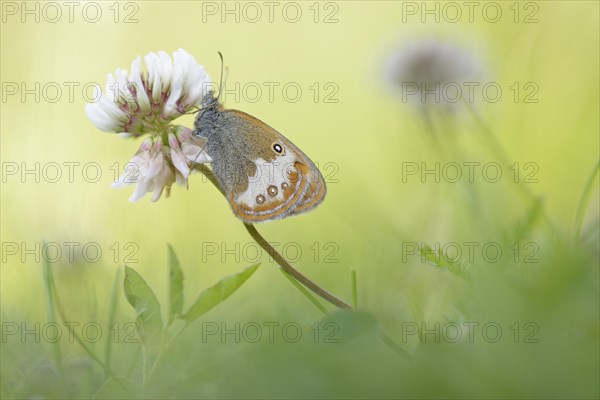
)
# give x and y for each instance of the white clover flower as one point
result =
(155, 166)
(146, 102)
(427, 72)
(149, 169)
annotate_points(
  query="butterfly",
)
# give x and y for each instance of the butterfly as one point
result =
(263, 174)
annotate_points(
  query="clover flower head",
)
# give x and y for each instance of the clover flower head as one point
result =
(428, 71)
(145, 102)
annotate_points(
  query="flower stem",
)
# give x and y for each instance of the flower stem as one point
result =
(294, 273)
(163, 347)
(283, 263)
(502, 156)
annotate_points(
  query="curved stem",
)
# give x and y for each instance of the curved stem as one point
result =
(294, 273)
(283, 263)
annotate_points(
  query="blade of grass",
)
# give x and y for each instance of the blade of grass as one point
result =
(525, 225)
(354, 288)
(175, 287)
(394, 346)
(60, 311)
(111, 317)
(51, 307)
(583, 202)
(305, 292)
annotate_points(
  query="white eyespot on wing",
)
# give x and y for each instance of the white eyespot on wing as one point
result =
(268, 180)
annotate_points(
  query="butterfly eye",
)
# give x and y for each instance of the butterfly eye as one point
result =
(277, 148)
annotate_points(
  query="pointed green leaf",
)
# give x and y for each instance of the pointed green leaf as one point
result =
(175, 286)
(216, 294)
(147, 308)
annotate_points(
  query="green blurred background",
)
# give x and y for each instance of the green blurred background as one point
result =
(369, 213)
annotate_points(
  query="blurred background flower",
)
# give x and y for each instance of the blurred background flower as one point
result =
(428, 71)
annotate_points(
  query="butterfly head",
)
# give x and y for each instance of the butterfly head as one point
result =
(207, 116)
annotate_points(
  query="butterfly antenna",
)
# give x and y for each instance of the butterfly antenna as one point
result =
(196, 109)
(218, 98)
(221, 82)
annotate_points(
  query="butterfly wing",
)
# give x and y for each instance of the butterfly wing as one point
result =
(264, 175)
(314, 193)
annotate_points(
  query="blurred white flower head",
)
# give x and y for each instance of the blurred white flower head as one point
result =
(146, 102)
(428, 71)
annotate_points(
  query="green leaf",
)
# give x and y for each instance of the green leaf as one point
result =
(147, 308)
(175, 286)
(214, 295)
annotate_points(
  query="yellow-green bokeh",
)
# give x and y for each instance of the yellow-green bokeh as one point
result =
(367, 134)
